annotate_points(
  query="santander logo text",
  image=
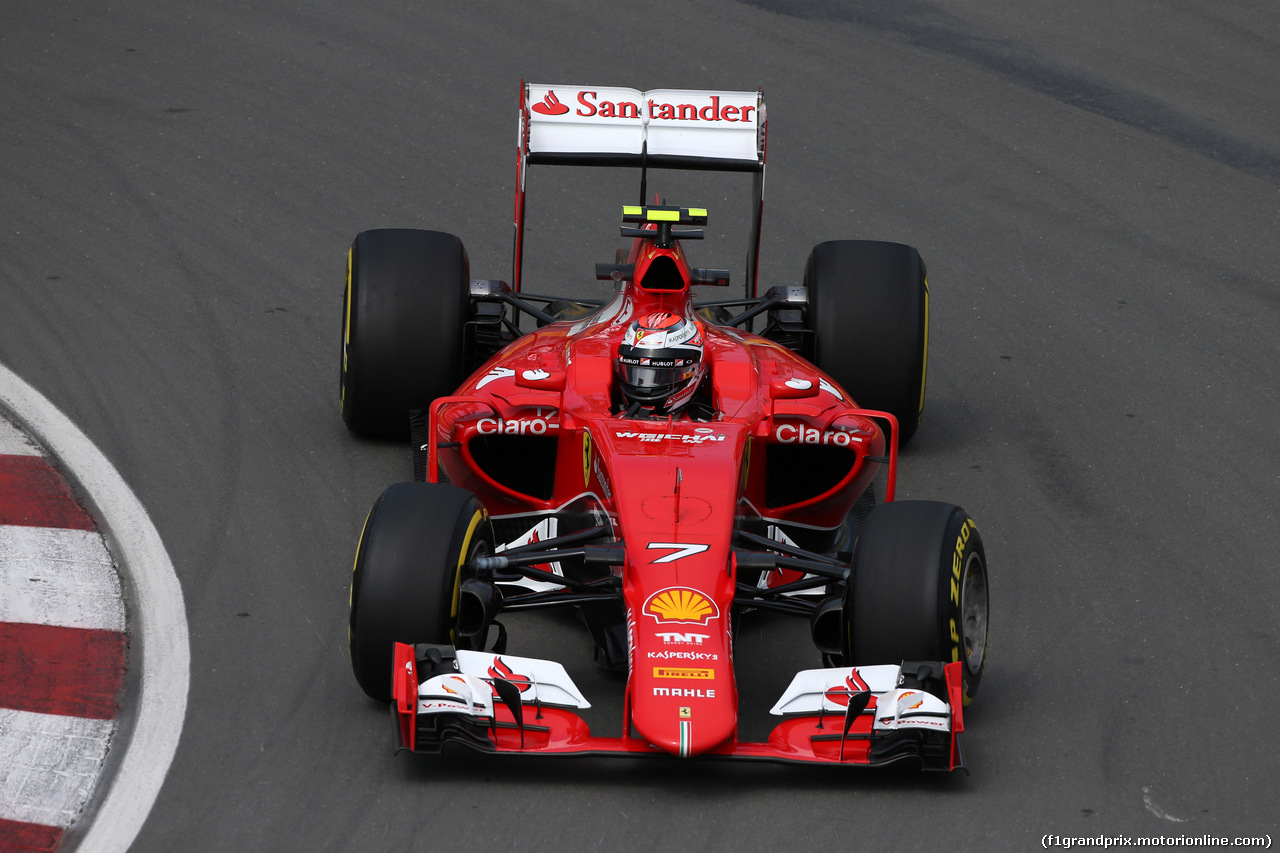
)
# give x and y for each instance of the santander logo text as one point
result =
(709, 110)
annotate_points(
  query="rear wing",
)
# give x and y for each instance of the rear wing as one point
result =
(662, 128)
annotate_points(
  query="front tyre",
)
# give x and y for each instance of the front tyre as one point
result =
(918, 591)
(409, 566)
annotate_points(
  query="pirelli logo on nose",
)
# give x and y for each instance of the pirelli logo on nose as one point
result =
(684, 672)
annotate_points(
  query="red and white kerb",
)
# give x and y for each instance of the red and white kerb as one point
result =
(62, 649)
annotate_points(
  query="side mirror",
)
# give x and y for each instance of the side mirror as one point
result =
(540, 379)
(795, 388)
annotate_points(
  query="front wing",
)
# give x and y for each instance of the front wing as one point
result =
(855, 716)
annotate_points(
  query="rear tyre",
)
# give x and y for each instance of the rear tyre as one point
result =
(919, 590)
(404, 308)
(409, 565)
(869, 311)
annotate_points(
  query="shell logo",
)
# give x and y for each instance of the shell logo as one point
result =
(680, 604)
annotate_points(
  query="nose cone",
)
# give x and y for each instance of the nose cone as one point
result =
(688, 721)
(684, 699)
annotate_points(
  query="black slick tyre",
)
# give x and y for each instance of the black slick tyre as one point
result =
(918, 591)
(869, 312)
(405, 304)
(408, 568)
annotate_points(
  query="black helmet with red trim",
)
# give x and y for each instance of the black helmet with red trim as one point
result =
(660, 361)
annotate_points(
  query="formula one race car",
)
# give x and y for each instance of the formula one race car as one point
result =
(653, 462)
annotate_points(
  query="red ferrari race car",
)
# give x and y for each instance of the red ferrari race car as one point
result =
(652, 461)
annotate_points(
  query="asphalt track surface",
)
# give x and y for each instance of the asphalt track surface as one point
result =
(1093, 185)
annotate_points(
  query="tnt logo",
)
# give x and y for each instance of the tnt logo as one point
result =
(675, 638)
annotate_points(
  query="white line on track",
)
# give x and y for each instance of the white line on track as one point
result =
(158, 622)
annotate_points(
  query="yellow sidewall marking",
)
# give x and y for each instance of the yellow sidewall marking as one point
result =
(351, 594)
(457, 574)
(924, 365)
(959, 562)
(346, 334)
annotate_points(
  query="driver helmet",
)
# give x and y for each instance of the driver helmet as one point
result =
(660, 361)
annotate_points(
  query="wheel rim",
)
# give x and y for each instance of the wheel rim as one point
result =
(973, 610)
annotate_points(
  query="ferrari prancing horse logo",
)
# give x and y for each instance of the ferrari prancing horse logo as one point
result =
(586, 458)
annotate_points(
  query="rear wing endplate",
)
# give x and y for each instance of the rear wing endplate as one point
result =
(661, 128)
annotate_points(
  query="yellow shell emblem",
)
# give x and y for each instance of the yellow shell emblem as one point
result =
(679, 604)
